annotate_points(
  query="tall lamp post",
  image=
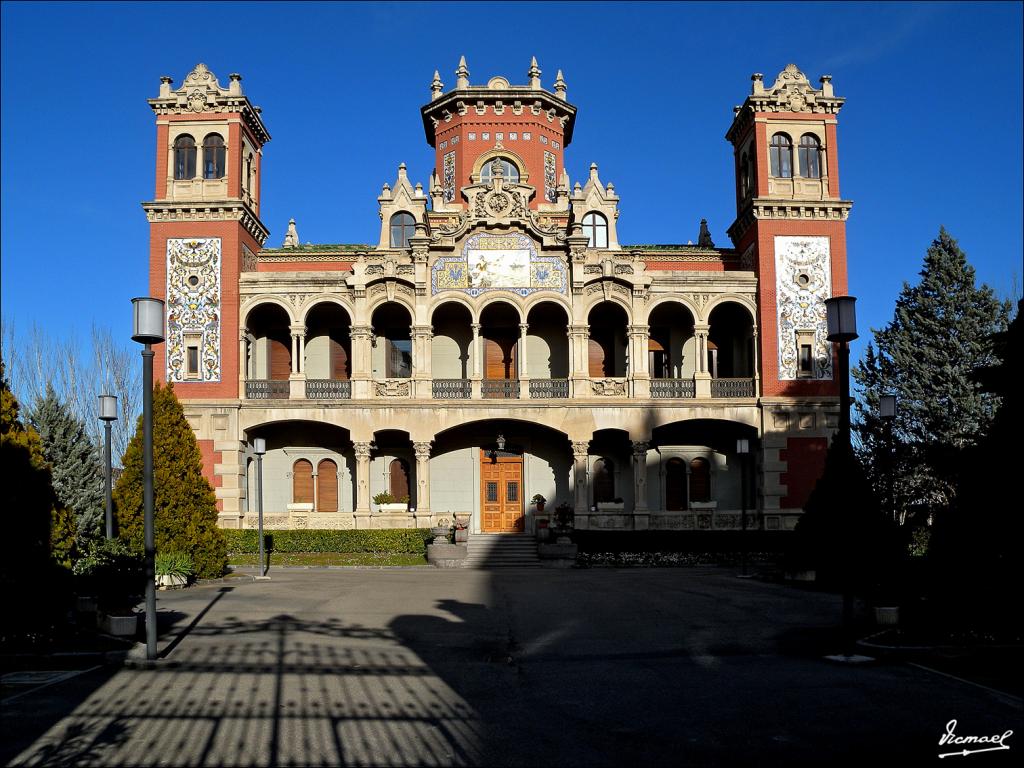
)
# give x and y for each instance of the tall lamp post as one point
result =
(842, 329)
(108, 414)
(887, 410)
(148, 329)
(743, 450)
(259, 447)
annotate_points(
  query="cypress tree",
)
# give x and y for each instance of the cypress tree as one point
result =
(185, 508)
(75, 464)
(941, 332)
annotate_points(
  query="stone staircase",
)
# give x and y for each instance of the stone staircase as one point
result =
(502, 550)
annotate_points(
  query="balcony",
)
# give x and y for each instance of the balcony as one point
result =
(672, 388)
(732, 388)
(267, 389)
(500, 389)
(452, 389)
(546, 389)
(328, 389)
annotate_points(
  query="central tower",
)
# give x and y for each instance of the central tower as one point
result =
(524, 127)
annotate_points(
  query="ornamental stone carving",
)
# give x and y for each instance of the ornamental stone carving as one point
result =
(609, 387)
(393, 388)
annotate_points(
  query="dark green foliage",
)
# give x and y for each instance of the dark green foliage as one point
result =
(27, 569)
(113, 573)
(389, 541)
(977, 542)
(941, 332)
(843, 534)
(75, 464)
(185, 508)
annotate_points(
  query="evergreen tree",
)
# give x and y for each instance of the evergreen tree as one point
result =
(185, 508)
(75, 464)
(941, 331)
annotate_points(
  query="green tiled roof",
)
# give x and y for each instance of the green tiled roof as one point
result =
(317, 248)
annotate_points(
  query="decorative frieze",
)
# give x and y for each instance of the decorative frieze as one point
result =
(499, 263)
(803, 280)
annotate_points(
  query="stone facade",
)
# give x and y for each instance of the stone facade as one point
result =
(498, 341)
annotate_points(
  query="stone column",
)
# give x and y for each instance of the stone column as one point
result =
(640, 512)
(579, 374)
(702, 378)
(243, 359)
(524, 373)
(362, 510)
(477, 372)
(421, 362)
(639, 369)
(361, 352)
(580, 452)
(755, 363)
(422, 452)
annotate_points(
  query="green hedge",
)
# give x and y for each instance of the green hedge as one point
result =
(390, 541)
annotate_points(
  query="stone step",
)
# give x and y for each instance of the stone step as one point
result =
(501, 551)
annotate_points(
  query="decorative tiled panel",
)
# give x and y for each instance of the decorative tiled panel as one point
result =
(193, 306)
(499, 263)
(449, 177)
(803, 280)
(549, 177)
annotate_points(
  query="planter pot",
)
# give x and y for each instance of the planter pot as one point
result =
(610, 506)
(461, 535)
(393, 509)
(171, 581)
(86, 604)
(440, 534)
(120, 626)
(887, 616)
(540, 506)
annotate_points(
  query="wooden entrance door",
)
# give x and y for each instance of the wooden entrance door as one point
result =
(501, 493)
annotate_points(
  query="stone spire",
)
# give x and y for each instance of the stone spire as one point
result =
(704, 236)
(436, 86)
(291, 237)
(534, 73)
(462, 74)
(560, 85)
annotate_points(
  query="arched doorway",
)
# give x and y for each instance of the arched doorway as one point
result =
(676, 495)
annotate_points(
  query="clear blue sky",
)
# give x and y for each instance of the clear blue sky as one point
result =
(930, 134)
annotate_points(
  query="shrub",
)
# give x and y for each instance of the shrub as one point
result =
(174, 564)
(384, 497)
(185, 508)
(112, 571)
(390, 541)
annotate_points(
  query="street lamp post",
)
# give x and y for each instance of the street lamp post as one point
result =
(743, 450)
(108, 414)
(842, 329)
(887, 410)
(148, 329)
(259, 447)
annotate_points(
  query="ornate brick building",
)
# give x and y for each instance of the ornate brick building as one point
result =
(499, 340)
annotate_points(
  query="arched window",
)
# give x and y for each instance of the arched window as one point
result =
(184, 157)
(744, 174)
(508, 169)
(700, 480)
(750, 174)
(327, 486)
(302, 482)
(604, 481)
(214, 157)
(398, 479)
(403, 226)
(675, 485)
(248, 173)
(781, 156)
(810, 151)
(595, 227)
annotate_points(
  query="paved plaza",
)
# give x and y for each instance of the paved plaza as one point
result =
(410, 667)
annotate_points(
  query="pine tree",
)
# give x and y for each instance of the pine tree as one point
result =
(75, 464)
(941, 331)
(185, 508)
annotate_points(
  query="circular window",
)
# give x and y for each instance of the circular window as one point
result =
(193, 280)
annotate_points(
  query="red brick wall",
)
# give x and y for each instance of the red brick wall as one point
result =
(805, 463)
(210, 457)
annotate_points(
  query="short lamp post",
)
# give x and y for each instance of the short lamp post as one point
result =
(842, 329)
(108, 414)
(743, 450)
(148, 329)
(259, 447)
(887, 411)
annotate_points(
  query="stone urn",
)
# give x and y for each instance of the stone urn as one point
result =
(440, 534)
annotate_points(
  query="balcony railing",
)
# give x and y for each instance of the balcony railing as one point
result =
(542, 389)
(670, 388)
(267, 389)
(328, 389)
(498, 389)
(732, 388)
(452, 389)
